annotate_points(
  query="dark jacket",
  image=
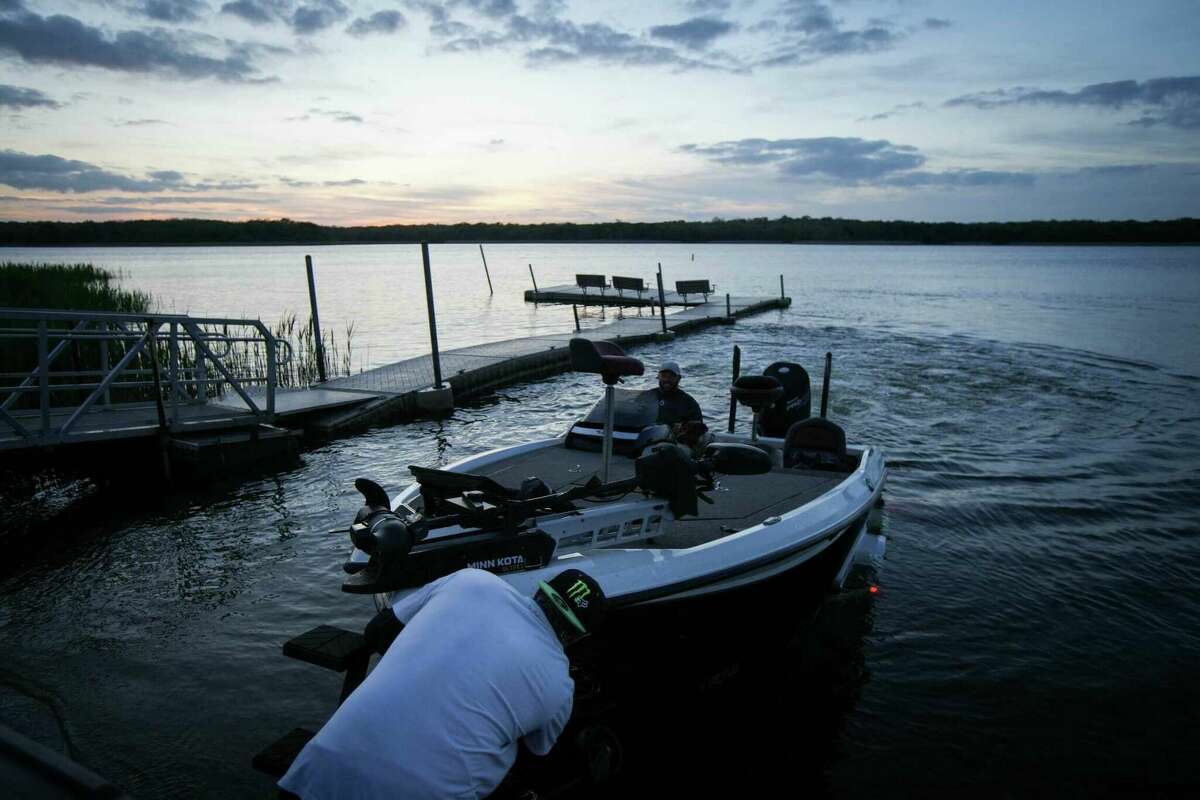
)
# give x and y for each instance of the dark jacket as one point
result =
(676, 406)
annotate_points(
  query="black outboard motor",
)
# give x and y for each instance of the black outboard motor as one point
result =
(795, 405)
(380, 533)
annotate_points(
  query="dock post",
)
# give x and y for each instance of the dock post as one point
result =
(487, 274)
(43, 376)
(737, 368)
(575, 311)
(728, 308)
(164, 438)
(316, 320)
(662, 300)
(825, 385)
(437, 361)
(535, 289)
(782, 296)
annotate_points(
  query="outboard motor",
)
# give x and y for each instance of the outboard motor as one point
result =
(793, 406)
(380, 533)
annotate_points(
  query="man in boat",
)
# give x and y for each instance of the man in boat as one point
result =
(470, 668)
(674, 404)
(679, 409)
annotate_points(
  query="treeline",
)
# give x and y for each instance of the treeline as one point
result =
(783, 230)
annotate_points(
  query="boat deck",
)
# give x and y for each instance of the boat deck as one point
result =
(739, 502)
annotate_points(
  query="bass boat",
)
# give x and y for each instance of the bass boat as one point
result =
(701, 547)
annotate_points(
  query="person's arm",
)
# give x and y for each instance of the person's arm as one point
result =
(541, 740)
(382, 630)
(693, 414)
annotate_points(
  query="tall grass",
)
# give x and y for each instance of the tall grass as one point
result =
(75, 286)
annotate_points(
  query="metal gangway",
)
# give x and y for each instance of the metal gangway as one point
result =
(77, 376)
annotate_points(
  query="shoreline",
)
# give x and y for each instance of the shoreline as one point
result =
(839, 242)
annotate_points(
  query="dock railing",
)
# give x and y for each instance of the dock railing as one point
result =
(57, 366)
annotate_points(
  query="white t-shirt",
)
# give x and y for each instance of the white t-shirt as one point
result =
(439, 717)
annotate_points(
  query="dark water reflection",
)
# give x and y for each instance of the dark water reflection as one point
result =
(1035, 631)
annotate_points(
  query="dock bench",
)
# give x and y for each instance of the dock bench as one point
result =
(623, 284)
(586, 282)
(685, 288)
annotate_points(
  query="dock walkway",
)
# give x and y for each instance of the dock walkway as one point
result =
(332, 408)
(479, 368)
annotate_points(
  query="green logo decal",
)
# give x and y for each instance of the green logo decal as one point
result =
(578, 593)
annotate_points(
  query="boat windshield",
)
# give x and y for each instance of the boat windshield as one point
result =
(635, 409)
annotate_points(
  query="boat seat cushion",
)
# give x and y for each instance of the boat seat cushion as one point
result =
(815, 443)
(603, 358)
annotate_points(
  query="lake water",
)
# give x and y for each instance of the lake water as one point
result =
(1035, 630)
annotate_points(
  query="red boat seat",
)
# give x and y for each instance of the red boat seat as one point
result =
(604, 359)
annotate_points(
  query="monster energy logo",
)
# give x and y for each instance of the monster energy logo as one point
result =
(578, 593)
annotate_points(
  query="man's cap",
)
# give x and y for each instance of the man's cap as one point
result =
(671, 366)
(577, 595)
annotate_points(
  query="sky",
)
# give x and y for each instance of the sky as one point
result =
(366, 112)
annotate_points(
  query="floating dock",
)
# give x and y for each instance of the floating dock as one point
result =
(395, 389)
(249, 422)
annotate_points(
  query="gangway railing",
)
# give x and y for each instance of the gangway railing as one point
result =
(84, 361)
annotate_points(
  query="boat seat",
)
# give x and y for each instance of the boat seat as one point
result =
(815, 443)
(757, 391)
(604, 359)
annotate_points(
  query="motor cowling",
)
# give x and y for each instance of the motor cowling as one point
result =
(382, 534)
(793, 406)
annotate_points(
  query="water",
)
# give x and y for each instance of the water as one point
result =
(1035, 629)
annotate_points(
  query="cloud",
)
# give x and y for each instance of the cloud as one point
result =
(895, 111)
(935, 24)
(170, 10)
(139, 123)
(702, 6)
(1174, 102)
(379, 22)
(961, 177)
(847, 161)
(67, 42)
(26, 171)
(809, 32)
(317, 15)
(549, 39)
(695, 34)
(295, 184)
(336, 116)
(259, 12)
(310, 16)
(20, 97)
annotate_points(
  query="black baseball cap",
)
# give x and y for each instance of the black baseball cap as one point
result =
(578, 597)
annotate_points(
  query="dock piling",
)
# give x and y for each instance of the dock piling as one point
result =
(575, 311)
(825, 385)
(737, 369)
(316, 319)
(485, 269)
(437, 361)
(662, 300)
(728, 306)
(535, 289)
(781, 294)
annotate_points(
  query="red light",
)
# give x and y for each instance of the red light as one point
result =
(873, 590)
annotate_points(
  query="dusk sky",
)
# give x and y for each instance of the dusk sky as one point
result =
(371, 112)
